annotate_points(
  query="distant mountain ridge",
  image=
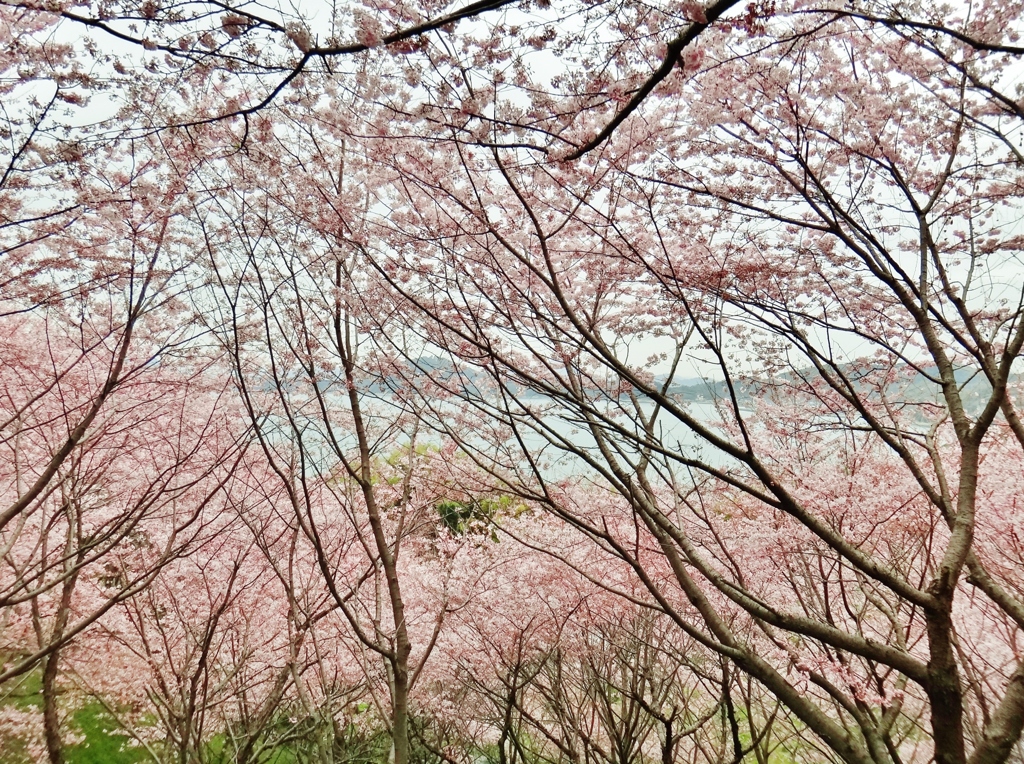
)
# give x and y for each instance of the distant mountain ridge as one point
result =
(911, 389)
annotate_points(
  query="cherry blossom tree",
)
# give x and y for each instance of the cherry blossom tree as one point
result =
(340, 443)
(112, 428)
(134, 495)
(827, 228)
(519, 227)
(556, 657)
(253, 55)
(484, 71)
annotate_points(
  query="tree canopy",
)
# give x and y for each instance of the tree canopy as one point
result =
(529, 382)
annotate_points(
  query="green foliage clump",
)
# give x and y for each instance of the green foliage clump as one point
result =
(477, 516)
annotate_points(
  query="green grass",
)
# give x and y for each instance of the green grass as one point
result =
(104, 741)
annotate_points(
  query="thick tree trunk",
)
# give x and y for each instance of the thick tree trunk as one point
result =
(1004, 730)
(668, 748)
(51, 664)
(945, 695)
(400, 714)
(51, 719)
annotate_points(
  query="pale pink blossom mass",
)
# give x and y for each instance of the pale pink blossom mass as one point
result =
(511, 382)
